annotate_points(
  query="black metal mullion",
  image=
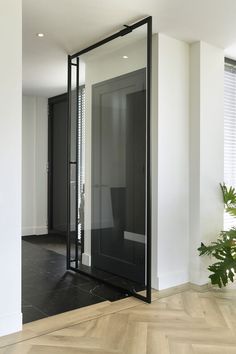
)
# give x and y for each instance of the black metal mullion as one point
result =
(82, 110)
(123, 32)
(68, 250)
(148, 152)
(77, 164)
(50, 165)
(80, 149)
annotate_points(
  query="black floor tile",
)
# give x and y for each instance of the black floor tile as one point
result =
(97, 273)
(104, 291)
(53, 242)
(31, 313)
(126, 284)
(37, 284)
(47, 282)
(63, 300)
(41, 260)
(49, 289)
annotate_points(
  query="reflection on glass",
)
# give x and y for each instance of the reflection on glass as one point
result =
(118, 175)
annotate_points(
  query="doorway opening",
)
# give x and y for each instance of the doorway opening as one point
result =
(48, 288)
(97, 243)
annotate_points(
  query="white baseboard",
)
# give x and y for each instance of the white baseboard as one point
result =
(41, 230)
(27, 231)
(170, 280)
(34, 230)
(198, 272)
(199, 277)
(154, 282)
(10, 323)
(86, 259)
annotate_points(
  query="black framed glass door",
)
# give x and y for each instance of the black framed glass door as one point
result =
(114, 203)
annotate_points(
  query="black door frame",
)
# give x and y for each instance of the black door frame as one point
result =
(123, 32)
(51, 102)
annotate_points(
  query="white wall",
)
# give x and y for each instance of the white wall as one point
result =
(10, 161)
(173, 162)
(34, 165)
(190, 158)
(41, 158)
(206, 152)
(28, 165)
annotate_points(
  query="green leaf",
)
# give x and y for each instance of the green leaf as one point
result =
(229, 195)
(223, 271)
(231, 210)
(224, 248)
(227, 239)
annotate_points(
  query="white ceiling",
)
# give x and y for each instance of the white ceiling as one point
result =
(70, 25)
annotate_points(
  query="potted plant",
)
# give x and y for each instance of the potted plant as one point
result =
(224, 248)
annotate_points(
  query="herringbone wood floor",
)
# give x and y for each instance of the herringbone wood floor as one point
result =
(189, 322)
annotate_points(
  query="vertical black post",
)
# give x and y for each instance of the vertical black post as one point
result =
(68, 253)
(81, 162)
(82, 187)
(149, 201)
(77, 165)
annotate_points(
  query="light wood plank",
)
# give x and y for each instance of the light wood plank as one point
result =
(188, 322)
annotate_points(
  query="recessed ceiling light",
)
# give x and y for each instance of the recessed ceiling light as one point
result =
(40, 35)
(125, 57)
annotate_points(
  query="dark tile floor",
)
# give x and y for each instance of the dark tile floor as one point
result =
(52, 242)
(49, 289)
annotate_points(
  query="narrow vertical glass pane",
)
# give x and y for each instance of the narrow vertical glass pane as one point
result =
(73, 162)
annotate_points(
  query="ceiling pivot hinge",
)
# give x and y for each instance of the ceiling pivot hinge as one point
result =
(126, 30)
